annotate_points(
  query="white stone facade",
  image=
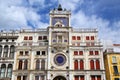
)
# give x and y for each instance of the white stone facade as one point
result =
(59, 52)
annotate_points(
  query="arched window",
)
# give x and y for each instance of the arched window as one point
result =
(92, 77)
(25, 64)
(9, 71)
(76, 78)
(20, 65)
(25, 77)
(37, 64)
(81, 64)
(81, 77)
(76, 65)
(92, 65)
(97, 64)
(3, 68)
(0, 51)
(5, 51)
(98, 77)
(12, 50)
(36, 77)
(43, 64)
(18, 77)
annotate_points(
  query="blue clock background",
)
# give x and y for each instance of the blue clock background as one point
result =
(60, 59)
(64, 20)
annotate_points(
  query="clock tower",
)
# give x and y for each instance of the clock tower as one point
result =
(58, 49)
(60, 16)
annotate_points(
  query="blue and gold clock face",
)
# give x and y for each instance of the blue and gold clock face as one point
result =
(63, 20)
(59, 59)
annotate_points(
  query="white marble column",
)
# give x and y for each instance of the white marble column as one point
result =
(6, 69)
(2, 50)
(31, 77)
(87, 76)
(32, 61)
(8, 51)
(13, 77)
(78, 64)
(23, 64)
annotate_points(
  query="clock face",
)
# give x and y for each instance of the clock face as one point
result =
(64, 20)
(59, 59)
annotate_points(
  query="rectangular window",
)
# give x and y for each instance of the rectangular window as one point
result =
(87, 37)
(115, 70)
(80, 52)
(92, 37)
(78, 37)
(25, 37)
(37, 52)
(30, 37)
(43, 53)
(21, 53)
(26, 53)
(40, 38)
(73, 37)
(44, 37)
(90, 52)
(114, 59)
(96, 53)
(75, 52)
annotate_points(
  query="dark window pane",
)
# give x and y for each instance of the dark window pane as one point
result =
(44, 37)
(24, 77)
(38, 53)
(43, 52)
(26, 53)
(43, 64)
(25, 37)
(40, 38)
(36, 77)
(115, 69)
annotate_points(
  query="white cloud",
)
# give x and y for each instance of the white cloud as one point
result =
(80, 20)
(14, 15)
(71, 4)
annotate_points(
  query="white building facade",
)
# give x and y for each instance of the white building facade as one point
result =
(59, 52)
(7, 52)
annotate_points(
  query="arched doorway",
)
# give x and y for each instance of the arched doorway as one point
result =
(59, 78)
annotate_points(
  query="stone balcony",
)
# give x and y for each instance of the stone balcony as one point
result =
(32, 44)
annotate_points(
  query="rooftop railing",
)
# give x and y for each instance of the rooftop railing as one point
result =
(84, 30)
(35, 30)
(32, 44)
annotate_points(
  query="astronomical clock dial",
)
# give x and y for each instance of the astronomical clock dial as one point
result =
(60, 59)
(63, 20)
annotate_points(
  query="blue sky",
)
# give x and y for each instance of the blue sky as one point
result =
(30, 14)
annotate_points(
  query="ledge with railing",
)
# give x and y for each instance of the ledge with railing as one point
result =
(32, 44)
(85, 30)
(35, 30)
(86, 44)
